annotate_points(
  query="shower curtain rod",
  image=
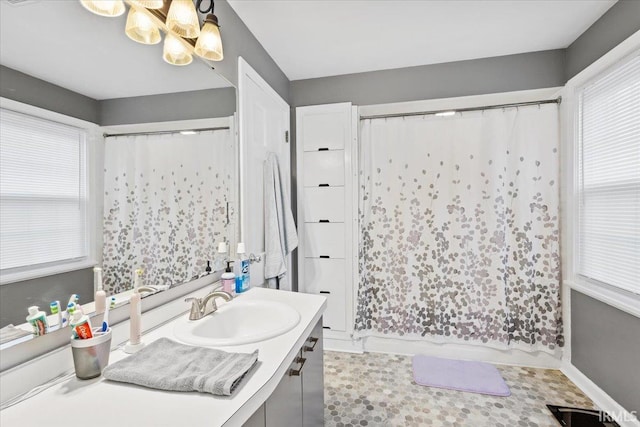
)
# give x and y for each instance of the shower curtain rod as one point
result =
(164, 132)
(558, 100)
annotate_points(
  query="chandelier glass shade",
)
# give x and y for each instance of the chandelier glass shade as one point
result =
(108, 8)
(149, 4)
(182, 19)
(175, 52)
(140, 28)
(209, 44)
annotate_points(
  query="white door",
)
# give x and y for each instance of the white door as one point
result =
(264, 122)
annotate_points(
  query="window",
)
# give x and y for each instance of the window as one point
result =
(43, 196)
(609, 178)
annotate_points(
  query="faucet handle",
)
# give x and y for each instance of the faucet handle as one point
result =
(194, 314)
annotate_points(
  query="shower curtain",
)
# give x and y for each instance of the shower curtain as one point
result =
(459, 228)
(165, 206)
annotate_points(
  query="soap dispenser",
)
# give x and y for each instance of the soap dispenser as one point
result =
(229, 279)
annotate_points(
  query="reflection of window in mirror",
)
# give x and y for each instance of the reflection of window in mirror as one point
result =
(47, 210)
(43, 195)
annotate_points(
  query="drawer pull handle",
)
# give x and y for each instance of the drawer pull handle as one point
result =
(296, 372)
(311, 340)
(324, 220)
(323, 185)
(323, 149)
(326, 327)
(325, 256)
(325, 292)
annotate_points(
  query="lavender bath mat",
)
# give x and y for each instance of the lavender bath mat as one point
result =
(474, 377)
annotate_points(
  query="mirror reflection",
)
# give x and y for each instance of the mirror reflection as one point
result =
(111, 158)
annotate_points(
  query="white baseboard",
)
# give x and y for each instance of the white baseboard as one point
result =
(602, 400)
(462, 351)
(343, 345)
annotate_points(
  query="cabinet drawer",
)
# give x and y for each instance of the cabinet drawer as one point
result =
(323, 204)
(335, 317)
(327, 278)
(324, 275)
(323, 167)
(324, 131)
(324, 240)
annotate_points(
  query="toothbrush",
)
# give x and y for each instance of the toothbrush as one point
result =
(105, 319)
(55, 309)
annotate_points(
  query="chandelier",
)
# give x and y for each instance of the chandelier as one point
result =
(178, 19)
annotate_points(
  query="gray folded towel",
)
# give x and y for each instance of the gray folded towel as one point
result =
(168, 365)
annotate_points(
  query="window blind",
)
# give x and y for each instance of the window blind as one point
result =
(609, 170)
(43, 198)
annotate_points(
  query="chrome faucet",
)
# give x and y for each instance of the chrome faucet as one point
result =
(200, 307)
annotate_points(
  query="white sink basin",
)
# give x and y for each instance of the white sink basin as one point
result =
(238, 322)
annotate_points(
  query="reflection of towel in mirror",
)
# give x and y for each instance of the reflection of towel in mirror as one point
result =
(280, 234)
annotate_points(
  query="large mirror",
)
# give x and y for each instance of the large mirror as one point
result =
(111, 157)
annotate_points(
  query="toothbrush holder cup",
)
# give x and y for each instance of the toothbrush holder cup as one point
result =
(91, 356)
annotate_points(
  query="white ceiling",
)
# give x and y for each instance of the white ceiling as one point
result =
(310, 38)
(61, 42)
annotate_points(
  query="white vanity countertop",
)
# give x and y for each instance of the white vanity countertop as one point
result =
(99, 402)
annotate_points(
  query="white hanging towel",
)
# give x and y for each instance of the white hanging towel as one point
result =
(280, 235)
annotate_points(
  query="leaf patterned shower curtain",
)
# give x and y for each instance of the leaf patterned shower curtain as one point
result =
(459, 228)
(164, 206)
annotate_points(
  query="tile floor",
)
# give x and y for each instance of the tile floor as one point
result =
(378, 390)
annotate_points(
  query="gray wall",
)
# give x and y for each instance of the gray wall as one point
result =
(605, 346)
(462, 78)
(605, 341)
(239, 41)
(199, 104)
(620, 22)
(30, 90)
(16, 297)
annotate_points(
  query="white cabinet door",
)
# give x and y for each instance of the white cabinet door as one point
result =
(323, 168)
(324, 131)
(326, 277)
(324, 240)
(323, 204)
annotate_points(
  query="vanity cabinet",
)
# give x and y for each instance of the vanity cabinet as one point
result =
(298, 400)
(313, 379)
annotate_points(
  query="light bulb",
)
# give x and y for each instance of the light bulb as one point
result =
(148, 4)
(175, 52)
(209, 44)
(109, 8)
(140, 27)
(182, 19)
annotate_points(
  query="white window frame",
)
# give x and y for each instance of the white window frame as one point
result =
(93, 140)
(619, 298)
